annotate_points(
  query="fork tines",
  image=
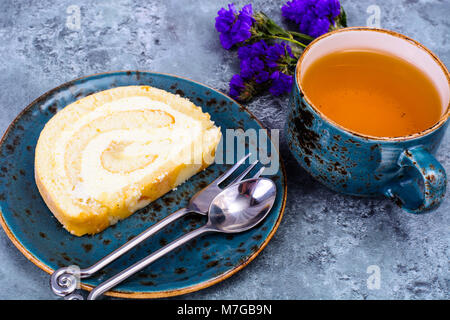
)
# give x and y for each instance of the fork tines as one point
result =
(243, 174)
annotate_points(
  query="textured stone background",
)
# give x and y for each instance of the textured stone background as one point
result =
(326, 241)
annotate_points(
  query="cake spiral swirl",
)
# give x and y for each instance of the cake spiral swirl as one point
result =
(105, 156)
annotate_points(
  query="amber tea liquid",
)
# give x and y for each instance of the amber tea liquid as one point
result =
(372, 93)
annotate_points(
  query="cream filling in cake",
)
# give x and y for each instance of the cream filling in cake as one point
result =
(107, 155)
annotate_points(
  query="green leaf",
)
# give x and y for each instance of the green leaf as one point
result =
(268, 26)
(342, 18)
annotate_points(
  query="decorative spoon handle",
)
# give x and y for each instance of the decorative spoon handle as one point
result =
(65, 280)
(138, 266)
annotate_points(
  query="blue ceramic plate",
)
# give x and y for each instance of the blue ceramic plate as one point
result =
(201, 263)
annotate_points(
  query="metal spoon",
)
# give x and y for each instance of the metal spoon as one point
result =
(237, 208)
(65, 280)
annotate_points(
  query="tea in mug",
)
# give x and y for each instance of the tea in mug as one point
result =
(372, 93)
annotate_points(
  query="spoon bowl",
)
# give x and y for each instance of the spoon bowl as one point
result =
(239, 207)
(242, 206)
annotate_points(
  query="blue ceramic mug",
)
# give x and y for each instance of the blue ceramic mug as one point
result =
(401, 168)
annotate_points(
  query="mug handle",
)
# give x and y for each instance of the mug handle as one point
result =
(411, 197)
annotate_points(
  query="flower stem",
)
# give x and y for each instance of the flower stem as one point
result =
(287, 39)
(301, 35)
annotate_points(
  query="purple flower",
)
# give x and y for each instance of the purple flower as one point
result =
(314, 17)
(225, 18)
(294, 10)
(262, 76)
(306, 21)
(234, 27)
(262, 66)
(328, 8)
(321, 26)
(250, 67)
(253, 50)
(281, 83)
(237, 86)
(240, 89)
(253, 59)
(278, 52)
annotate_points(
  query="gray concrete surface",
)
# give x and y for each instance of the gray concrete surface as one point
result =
(326, 241)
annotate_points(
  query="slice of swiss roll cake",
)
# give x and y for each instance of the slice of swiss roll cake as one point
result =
(105, 156)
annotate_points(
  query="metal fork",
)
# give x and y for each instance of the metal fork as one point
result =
(64, 281)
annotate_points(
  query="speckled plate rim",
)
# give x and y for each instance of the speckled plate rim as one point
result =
(157, 294)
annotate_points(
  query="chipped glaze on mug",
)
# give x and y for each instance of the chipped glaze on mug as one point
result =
(401, 168)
